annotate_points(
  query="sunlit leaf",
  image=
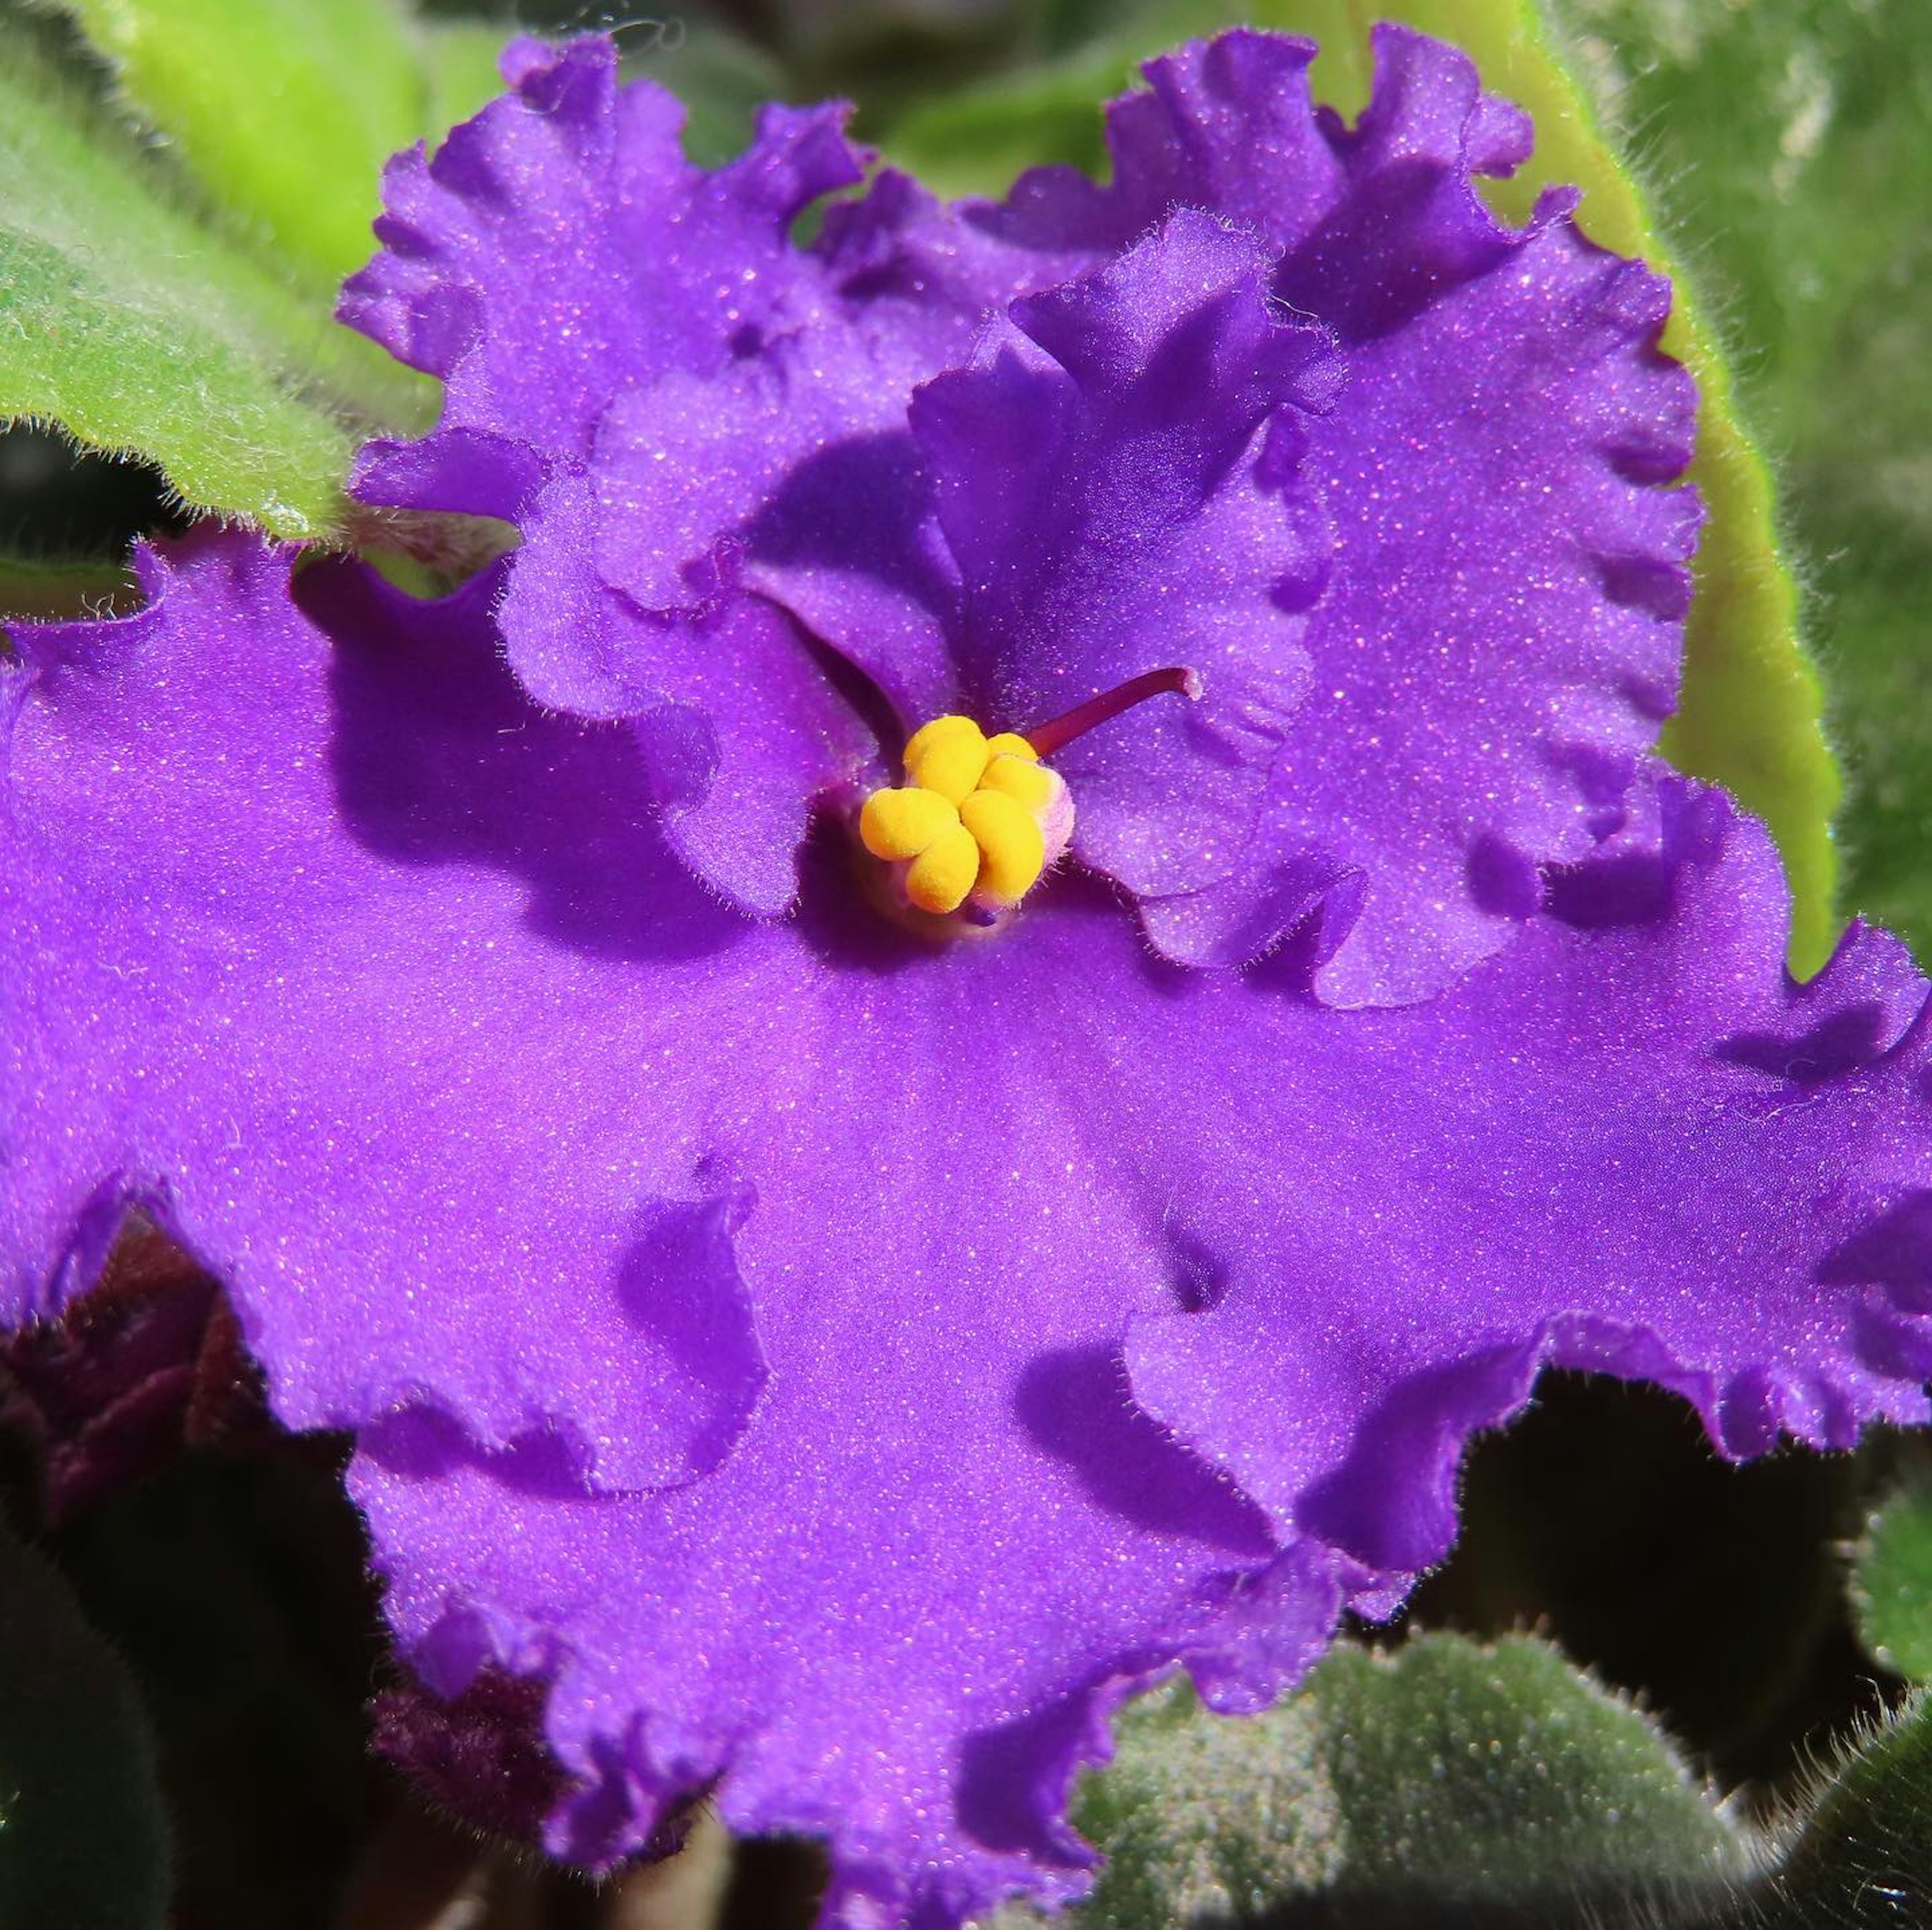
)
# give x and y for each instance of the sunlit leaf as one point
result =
(1790, 144)
(132, 327)
(285, 111)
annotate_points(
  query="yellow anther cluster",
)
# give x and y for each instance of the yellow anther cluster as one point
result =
(967, 823)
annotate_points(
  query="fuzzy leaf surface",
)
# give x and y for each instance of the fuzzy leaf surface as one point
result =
(285, 112)
(1891, 1579)
(1447, 1781)
(137, 330)
(1788, 146)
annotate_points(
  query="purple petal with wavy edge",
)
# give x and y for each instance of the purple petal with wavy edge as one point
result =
(1500, 636)
(251, 964)
(1116, 477)
(791, 472)
(1486, 492)
(897, 251)
(757, 732)
(558, 247)
(738, 725)
(451, 1132)
(558, 255)
(1229, 125)
(1630, 1143)
(385, 987)
(790, 476)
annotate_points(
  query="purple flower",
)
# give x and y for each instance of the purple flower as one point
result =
(1340, 438)
(843, 1354)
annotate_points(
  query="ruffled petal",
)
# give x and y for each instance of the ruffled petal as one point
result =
(1499, 638)
(1117, 477)
(255, 950)
(944, 1448)
(607, 318)
(519, 1155)
(1476, 573)
(559, 246)
(929, 272)
(1230, 124)
(791, 472)
(738, 724)
(550, 1176)
(1630, 1143)
(791, 475)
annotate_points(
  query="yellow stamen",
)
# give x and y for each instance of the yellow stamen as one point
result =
(947, 756)
(939, 878)
(1012, 847)
(902, 823)
(974, 820)
(980, 818)
(1022, 779)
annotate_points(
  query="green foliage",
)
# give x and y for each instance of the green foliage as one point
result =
(201, 338)
(1750, 705)
(460, 74)
(1790, 139)
(974, 140)
(1459, 1781)
(1891, 1580)
(83, 1842)
(285, 111)
(1863, 1859)
(126, 326)
(46, 592)
(135, 329)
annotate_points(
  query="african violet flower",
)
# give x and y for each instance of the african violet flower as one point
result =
(842, 1353)
(1350, 442)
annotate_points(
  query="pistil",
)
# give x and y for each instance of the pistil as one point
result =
(1057, 733)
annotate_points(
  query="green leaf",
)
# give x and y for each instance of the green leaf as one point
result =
(1891, 1579)
(285, 111)
(135, 329)
(974, 140)
(82, 1840)
(1749, 713)
(1863, 1859)
(1467, 1777)
(1790, 139)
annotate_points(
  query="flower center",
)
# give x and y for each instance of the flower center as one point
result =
(979, 819)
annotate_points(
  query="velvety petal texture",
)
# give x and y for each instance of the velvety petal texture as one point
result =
(792, 476)
(559, 246)
(1449, 547)
(558, 252)
(1499, 635)
(1630, 1145)
(263, 1134)
(1116, 478)
(842, 1366)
